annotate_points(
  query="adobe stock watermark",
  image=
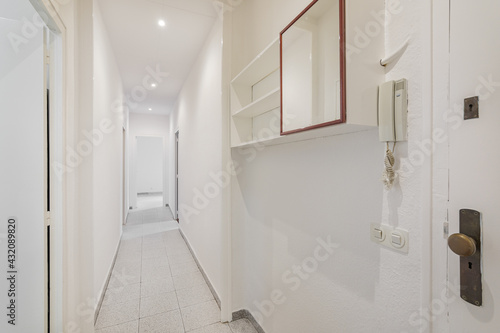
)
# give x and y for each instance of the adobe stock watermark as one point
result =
(422, 319)
(221, 179)
(31, 27)
(85, 147)
(95, 137)
(211, 190)
(363, 37)
(293, 278)
(454, 118)
(140, 92)
(29, 30)
(86, 309)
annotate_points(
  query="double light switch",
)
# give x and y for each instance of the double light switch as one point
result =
(388, 236)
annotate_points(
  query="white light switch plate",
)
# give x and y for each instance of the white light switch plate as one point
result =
(387, 237)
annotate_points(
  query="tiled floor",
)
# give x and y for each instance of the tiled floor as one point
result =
(146, 201)
(156, 285)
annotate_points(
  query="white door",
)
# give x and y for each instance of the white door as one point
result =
(474, 181)
(23, 172)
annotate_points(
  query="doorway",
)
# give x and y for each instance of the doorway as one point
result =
(149, 172)
(31, 127)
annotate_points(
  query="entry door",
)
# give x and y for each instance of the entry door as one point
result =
(23, 172)
(474, 181)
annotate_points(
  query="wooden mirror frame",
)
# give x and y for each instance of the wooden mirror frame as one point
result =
(342, 71)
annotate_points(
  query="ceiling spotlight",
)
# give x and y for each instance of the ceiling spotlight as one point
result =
(153, 85)
(161, 23)
(150, 109)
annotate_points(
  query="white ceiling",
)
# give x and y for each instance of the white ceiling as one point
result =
(139, 42)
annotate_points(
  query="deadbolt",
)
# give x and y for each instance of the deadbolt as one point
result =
(462, 245)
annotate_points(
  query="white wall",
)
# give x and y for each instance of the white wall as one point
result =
(288, 196)
(75, 22)
(149, 164)
(148, 126)
(107, 134)
(197, 116)
(22, 171)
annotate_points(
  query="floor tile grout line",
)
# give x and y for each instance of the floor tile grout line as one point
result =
(176, 296)
(167, 258)
(125, 322)
(140, 290)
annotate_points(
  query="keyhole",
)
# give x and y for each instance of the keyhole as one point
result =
(470, 107)
(470, 265)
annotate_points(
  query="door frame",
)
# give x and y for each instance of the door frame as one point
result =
(176, 175)
(55, 40)
(437, 311)
(124, 177)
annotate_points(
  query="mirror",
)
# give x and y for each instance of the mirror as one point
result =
(313, 68)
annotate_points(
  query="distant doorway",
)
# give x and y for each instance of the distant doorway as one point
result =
(149, 172)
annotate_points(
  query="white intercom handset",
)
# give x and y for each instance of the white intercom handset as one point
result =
(392, 121)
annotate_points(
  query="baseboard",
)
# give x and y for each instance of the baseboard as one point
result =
(103, 291)
(207, 280)
(245, 314)
(150, 193)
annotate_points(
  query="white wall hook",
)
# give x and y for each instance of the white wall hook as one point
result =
(387, 60)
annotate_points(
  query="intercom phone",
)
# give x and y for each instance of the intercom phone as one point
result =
(393, 111)
(392, 122)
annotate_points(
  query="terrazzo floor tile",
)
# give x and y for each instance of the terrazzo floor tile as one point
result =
(116, 314)
(159, 303)
(123, 277)
(194, 295)
(214, 328)
(122, 294)
(200, 315)
(183, 268)
(242, 326)
(154, 253)
(179, 258)
(155, 273)
(170, 322)
(154, 262)
(188, 280)
(130, 327)
(129, 256)
(157, 286)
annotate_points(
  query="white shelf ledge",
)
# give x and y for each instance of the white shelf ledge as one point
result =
(262, 105)
(322, 132)
(266, 62)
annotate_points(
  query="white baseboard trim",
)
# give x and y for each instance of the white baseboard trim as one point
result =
(212, 289)
(103, 291)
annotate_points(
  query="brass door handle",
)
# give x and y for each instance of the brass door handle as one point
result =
(462, 245)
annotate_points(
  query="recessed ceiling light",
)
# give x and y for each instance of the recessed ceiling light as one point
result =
(150, 109)
(153, 85)
(161, 23)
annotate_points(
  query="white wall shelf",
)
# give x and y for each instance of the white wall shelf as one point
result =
(255, 98)
(318, 133)
(264, 64)
(262, 105)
